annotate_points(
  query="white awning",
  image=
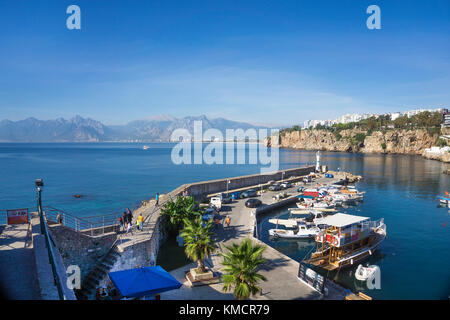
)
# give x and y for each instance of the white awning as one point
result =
(340, 220)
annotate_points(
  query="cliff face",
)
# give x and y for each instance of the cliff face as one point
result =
(392, 141)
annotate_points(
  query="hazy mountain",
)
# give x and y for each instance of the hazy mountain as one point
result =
(78, 129)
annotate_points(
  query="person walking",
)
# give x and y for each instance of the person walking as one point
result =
(227, 221)
(59, 218)
(129, 216)
(121, 223)
(140, 219)
(130, 228)
(157, 199)
(125, 221)
(216, 221)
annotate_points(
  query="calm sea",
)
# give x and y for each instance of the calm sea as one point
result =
(414, 259)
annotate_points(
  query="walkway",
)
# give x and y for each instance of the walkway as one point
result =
(18, 270)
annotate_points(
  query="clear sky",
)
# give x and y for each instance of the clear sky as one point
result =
(277, 62)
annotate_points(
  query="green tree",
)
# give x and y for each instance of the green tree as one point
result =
(241, 263)
(178, 211)
(197, 240)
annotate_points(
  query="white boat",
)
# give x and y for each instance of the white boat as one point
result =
(309, 210)
(364, 273)
(145, 147)
(294, 230)
(315, 205)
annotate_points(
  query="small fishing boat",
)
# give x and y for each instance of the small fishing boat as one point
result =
(364, 273)
(294, 229)
(445, 199)
(315, 205)
(145, 147)
(309, 210)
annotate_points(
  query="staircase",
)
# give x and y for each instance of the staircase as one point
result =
(97, 274)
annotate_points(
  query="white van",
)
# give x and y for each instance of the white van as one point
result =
(217, 202)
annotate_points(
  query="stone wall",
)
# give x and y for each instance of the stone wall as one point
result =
(78, 249)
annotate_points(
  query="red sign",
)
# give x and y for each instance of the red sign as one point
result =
(17, 216)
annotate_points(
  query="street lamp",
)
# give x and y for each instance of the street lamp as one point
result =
(39, 186)
(228, 182)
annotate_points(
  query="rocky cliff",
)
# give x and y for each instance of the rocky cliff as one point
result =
(390, 141)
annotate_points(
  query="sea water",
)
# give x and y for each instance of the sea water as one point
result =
(414, 259)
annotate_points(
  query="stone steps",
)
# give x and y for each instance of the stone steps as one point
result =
(97, 274)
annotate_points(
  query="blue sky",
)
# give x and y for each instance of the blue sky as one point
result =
(277, 62)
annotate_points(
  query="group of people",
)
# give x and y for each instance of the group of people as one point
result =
(126, 221)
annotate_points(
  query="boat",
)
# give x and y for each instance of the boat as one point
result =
(445, 199)
(294, 229)
(364, 273)
(308, 210)
(348, 240)
(313, 217)
(145, 147)
(315, 205)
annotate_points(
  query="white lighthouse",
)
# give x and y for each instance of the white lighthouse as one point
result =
(318, 161)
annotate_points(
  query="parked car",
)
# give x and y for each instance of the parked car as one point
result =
(253, 203)
(275, 187)
(226, 198)
(307, 179)
(249, 193)
(286, 185)
(216, 202)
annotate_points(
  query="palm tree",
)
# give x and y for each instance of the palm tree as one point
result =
(241, 264)
(179, 210)
(198, 242)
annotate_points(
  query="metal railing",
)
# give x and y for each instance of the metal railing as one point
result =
(91, 225)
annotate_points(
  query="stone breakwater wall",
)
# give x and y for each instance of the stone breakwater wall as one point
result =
(200, 189)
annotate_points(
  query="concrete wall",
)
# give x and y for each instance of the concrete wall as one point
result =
(47, 286)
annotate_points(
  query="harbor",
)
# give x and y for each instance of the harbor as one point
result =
(99, 249)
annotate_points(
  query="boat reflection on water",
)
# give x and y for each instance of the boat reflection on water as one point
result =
(290, 246)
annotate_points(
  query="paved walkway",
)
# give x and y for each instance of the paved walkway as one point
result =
(17, 265)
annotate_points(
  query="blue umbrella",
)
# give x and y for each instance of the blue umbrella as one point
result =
(146, 281)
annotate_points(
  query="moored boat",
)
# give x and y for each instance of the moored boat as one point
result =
(364, 273)
(294, 229)
(347, 240)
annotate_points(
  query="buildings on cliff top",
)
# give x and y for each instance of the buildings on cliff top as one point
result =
(355, 117)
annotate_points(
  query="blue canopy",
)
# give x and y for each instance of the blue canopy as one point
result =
(444, 198)
(144, 281)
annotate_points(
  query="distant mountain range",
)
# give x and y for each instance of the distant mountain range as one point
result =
(78, 129)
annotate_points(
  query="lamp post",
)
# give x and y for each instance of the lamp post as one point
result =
(228, 182)
(39, 186)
